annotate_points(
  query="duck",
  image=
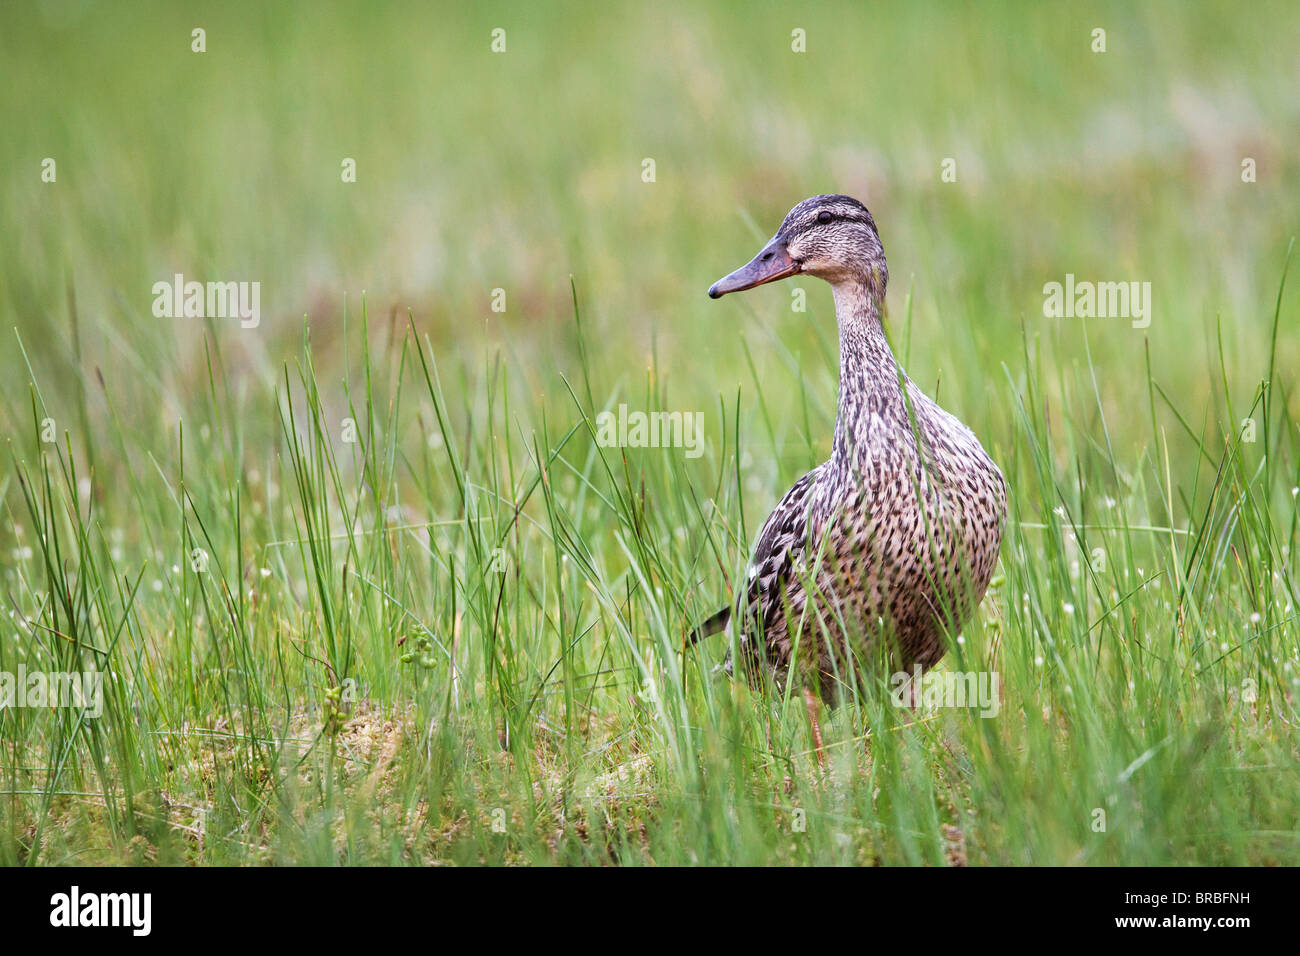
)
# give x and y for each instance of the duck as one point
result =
(882, 552)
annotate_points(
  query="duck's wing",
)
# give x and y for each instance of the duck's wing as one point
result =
(781, 545)
(712, 624)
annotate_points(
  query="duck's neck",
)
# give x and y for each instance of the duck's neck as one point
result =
(870, 395)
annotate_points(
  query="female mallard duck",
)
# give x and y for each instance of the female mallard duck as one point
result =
(897, 533)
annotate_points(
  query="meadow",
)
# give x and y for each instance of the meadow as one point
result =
(362, 586)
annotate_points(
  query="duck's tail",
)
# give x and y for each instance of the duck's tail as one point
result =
(710, 625)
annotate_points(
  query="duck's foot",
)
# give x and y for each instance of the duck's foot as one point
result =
(814, 705)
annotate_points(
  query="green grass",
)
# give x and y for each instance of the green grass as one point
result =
(459, 638)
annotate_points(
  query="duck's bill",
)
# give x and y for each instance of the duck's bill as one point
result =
(772, 263)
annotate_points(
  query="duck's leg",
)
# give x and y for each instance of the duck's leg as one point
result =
(813, 703)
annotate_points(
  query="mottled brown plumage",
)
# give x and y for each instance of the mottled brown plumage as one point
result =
(890, 543)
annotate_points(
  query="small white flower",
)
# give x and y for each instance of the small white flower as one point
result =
(1067, 608)
(1255, 618)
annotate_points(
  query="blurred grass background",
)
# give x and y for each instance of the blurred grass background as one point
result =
(477, 171)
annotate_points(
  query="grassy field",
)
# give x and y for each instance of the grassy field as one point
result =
(362, 585)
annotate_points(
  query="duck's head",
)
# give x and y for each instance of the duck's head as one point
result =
(831, 237)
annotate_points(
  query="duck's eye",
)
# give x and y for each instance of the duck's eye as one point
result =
(824, 217)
